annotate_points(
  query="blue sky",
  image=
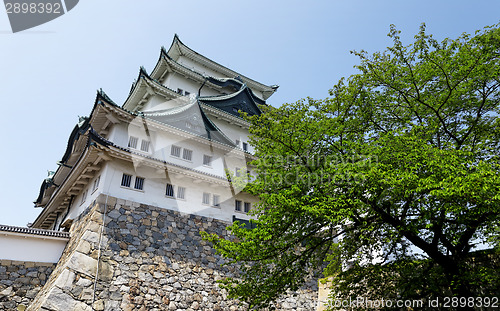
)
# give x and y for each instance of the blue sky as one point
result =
(50, 74)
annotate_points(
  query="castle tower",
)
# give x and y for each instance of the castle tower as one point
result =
(134, 189)
(171, 144)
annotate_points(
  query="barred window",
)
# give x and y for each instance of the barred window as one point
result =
(84, 196)
(181, 192)
(170, 191)
(237, 205)
(132, 142)
(207, 160)
(206, 198)
(96, 183)
(145, 145)
(216, 200)
(139, 183)
(187, 154)
(175, 151)
(247, 207)
(126, 179)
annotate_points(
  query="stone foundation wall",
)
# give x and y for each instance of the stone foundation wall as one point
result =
(147, 258)
(20, 282)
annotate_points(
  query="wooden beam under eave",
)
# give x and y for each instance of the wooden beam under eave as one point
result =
(112, 118)
(93, 168)
(105, 125)
(104, 156)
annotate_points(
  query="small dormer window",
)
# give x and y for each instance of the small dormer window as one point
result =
(180, 91)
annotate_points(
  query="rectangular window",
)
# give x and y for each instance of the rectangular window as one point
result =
(247, 207)
(145, 145)
(96, 183)
(187, 154)
(216, 200)
(175, 151)
(245, 146)
(84, 196)
(132, 142)
(237, 205)
(206, 198)
(170, 191)
(139, 183)
(207, 160)
(181, 192)
(126, 179)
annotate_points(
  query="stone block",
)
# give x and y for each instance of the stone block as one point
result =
(57, 300)
(83, 264)
(83, 247)
(65, 279)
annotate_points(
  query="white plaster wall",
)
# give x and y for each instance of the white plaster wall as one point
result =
(154, 190)
(233, 132)
(24, 247)
(77, 206)
(199, 68)
(175, 80)
(119, 134)
(161, 144)
(156, 179)
(202, 69)
(156, 100)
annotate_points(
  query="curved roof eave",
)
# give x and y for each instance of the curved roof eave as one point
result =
(184, 50)
(145, 78)
(78, 130)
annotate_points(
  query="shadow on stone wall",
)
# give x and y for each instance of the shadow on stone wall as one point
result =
(147, 258)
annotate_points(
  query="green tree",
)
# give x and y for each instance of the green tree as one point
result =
(391, 183)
